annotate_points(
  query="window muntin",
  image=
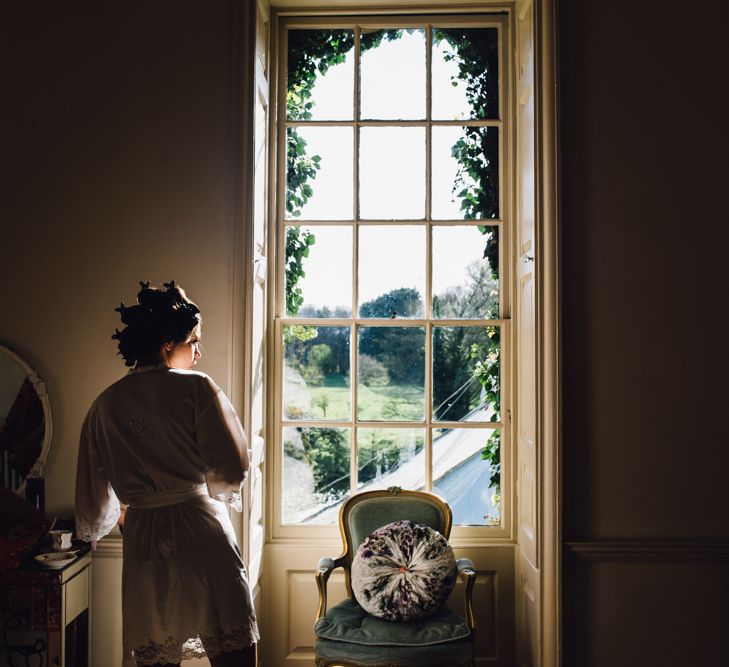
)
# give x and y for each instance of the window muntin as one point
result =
(431, 308)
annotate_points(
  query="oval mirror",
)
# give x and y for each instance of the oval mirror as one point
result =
(25, 421)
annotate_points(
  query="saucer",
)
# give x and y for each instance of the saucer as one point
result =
(56, 559)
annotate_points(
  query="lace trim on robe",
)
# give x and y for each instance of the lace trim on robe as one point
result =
(174, 650)
(232, 497)
(91, 532)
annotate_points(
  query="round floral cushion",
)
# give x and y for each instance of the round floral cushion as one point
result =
(403, 571)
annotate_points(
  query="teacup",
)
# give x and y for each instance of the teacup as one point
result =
(60, 539)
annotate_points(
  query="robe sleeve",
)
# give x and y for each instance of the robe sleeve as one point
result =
(97, 507)
(222, 445)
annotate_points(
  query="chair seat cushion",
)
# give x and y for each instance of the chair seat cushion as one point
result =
(403, 571)
(455, 654)
(348, 622)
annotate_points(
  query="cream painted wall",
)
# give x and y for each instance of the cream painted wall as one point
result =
(117, 167)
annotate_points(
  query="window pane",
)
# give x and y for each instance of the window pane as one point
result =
(392, 173)
(320, 75)
(465, 75)
(391, 374)
(465, 174)
(319, 170)
(319, 271)
(315, 473)
(390, 457)
(392, 71)
(465, 272)
(316, 373)
(391, 271)
(468, 482)
(466, 373)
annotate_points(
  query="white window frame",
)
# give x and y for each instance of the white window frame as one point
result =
(470, 534)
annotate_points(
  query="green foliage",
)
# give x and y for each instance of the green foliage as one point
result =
(300, 168)
(322, 402)
(402, 302)
(337, 339)
(327, 451)
(491, 254)
(318, 364)
(455, 391)
(478, 172)
(487, 369)
(320, 355)
(371, 372)
(394, 402)
(492, 453)
(312, 375)
(399, 349)
(477, 297)
(310, 54)
(488, 372)
(475, 52)
(298, 241)
(299, 332)
(371, 40)
(377, 457)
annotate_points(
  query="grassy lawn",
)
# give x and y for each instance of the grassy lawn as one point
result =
(332, 401)
(394, 402)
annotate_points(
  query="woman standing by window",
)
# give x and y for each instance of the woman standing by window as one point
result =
(165, 441)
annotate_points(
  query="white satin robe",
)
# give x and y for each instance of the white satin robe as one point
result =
(168, 443)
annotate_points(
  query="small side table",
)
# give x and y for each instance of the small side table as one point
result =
(51, 605)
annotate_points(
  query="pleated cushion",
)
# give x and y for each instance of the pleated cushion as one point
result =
(403, 571)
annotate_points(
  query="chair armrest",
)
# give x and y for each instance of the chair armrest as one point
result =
(465, 570)
(323, 571)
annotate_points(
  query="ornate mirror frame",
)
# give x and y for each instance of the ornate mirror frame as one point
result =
(40, 389)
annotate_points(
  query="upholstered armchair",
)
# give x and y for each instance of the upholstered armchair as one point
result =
(348, 636)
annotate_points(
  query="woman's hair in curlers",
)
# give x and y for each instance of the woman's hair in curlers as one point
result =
(162, 315)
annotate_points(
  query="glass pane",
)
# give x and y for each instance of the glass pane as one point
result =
(466, 373)
(391, 374)
(465, 281)
(315, 474)
(465, 74)
(391, 271)
(392, 173)
(319, 173)
(319, 271)
(465, 173)
(392, 74)
(467, 474)
(316, 373)
(320, 75)
(390, 457)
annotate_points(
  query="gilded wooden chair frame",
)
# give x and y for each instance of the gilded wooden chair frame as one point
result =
(328, 565)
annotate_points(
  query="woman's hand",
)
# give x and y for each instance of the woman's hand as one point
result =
(120, 520)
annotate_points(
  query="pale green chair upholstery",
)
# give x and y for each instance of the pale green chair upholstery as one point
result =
(347, 636)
